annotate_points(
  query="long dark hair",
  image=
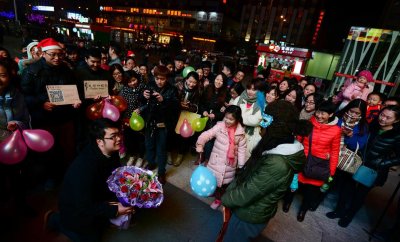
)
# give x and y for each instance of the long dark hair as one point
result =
(236, 113)
(362, 105)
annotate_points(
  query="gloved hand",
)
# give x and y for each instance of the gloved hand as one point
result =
(295, 183)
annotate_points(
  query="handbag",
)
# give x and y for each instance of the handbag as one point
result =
(315, 167)
(365, 176)
(349, 161)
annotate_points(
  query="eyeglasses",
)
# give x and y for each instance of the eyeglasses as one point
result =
(113, 137)
(53, 55)
(310, 102)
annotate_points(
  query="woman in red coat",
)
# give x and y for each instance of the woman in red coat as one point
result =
(325, 144)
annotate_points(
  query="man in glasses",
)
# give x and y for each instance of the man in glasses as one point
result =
(84, 201)
(58, 120)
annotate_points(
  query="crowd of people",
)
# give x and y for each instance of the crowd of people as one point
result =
(257, 140)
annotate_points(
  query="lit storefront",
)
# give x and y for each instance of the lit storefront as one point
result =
(75, 24)
(144, 25)
(283, 59)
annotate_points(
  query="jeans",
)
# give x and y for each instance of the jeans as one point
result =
(241, 231)
(156, 148)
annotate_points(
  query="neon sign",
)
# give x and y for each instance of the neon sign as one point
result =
(9, 15)
(37, 18)
(77, 16)
(43, 8)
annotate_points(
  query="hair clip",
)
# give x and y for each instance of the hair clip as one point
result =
(266, 120)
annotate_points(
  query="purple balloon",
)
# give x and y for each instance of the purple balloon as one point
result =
(186, 129)
(38, 139)
(13, 149)
(110, 112)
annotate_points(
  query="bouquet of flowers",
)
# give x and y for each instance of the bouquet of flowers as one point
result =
(135, 187)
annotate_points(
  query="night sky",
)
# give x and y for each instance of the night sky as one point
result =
(341, 15)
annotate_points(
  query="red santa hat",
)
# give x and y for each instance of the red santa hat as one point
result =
(49, 44)
(130, 54)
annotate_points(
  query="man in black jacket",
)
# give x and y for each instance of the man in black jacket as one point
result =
(89, 71)
(160, 116)
(84, 201)
(57, 119)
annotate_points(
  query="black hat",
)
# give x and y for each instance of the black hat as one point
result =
(286, 120)
(180, 58)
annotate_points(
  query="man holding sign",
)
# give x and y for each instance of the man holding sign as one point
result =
(93, 83)
(56, 115)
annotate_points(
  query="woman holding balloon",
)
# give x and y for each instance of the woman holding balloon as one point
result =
(13, 115)
(211, 104)
(189, 96)
(132, 92)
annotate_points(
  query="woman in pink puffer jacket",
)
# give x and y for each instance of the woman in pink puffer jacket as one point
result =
(229, 151)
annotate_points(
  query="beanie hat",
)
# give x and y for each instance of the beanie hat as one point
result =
(367, 74)
(49, 44)
(286, 121)
(29, 47)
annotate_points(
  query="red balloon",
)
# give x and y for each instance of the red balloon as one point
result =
(119, 102)
(95, 110)
(13, 149)
(38, 139)
(186, 129)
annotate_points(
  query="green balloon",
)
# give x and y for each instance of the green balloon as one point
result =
(187, 70)
(136, 122)
(199, 124)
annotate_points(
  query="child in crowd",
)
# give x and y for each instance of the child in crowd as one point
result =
(358, 89)
(229, 151)
(374, 105)
(132, 92)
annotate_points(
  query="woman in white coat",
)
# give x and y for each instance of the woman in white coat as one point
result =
(251, 114)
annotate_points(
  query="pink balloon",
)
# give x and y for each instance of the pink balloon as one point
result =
(13, 149)
(186, 129)
(38, 139)
(110, 112)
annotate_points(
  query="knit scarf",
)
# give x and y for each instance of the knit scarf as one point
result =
(231, 149)
(304, 115)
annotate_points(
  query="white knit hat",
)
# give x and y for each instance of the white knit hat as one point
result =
(29, 47)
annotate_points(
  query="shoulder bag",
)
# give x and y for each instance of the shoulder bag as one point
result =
(316, 168)
(349, 161)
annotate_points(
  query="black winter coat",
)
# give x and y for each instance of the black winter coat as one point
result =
(166, 111)
(382, 151)
(33, 85)
(84, 194)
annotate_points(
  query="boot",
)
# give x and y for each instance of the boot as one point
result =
(345, 221)
(333, 215)
(169, 159)
(178, 160)
(301, 215)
